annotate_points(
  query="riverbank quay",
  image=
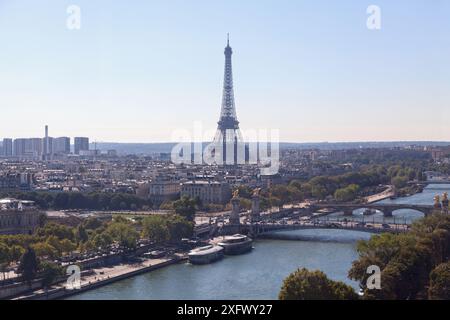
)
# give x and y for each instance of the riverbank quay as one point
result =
(388, 193)
(103, 276)
(15, 289)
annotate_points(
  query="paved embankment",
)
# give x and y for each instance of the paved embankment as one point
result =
(103, 276)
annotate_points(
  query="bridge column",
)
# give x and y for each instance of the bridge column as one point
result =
(255, 212)
(235, 210)
(348, 212)
(387, 212)
(309, 210)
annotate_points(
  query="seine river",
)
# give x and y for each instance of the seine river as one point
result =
(260, 273)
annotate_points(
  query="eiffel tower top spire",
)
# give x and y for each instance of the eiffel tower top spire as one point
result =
(228, 118)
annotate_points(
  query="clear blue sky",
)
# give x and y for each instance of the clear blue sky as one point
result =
(138, 70)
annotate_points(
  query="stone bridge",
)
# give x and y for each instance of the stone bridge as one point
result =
(264, 228)
(430, 182)
(386, 208)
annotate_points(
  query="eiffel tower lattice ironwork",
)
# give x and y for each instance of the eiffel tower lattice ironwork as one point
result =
(228, 133)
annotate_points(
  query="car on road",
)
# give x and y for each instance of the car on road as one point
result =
(385, 225)
(335, 225)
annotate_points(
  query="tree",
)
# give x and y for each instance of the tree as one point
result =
(314, 285)
(169, 228)
(346, 194)
(67, 246)
(58, 230)
(155, 228)
(440, 282)
(102, 240)
(124, 234)
(179, 228)
(44, 249)
(5, 258)
(61, 200)
(49, 273)
(42, 220)
(319, 192)
(245, 192)
(399, 182)
(407, 261)
(245, 203)
(166, 205)
(276, 202)
(92, 223)
(185, 207)
(29, 265)
(280, 192)
(16, 252)
(81, 234)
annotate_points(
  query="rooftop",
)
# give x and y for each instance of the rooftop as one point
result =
(8, 204)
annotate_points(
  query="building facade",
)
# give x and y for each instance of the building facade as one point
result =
(18, 216)
(61, 145)
(28, 148)
(7, 147)
(158, 191)
(19, 147)
(16, 181)
(209, 192)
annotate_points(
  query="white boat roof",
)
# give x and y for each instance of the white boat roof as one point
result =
(205, 250)
(236, 236)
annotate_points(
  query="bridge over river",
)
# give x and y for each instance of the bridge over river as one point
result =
(262, 228)
(386, 208)
(266, 225)
(428, 182)
(342, 225)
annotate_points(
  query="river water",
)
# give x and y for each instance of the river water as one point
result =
(260, 273)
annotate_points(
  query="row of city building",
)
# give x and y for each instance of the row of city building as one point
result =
(158, 179)
(42, 148)
(441, 154)
(207, 191)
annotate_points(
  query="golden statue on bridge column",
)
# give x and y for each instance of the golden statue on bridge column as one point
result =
(256, 192)
(236, 193)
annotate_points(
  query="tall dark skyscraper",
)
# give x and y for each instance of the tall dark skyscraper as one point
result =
(47, 146)
(81, 144)
(228, 133)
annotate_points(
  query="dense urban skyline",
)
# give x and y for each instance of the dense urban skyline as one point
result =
(313, 70)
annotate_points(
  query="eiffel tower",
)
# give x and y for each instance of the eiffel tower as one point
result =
(228, 135)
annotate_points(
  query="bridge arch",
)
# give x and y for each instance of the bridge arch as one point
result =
(418, 211)
(386, 208)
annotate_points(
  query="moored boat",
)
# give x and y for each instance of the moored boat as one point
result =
(369, 212)
(206, 254)
(236, 244)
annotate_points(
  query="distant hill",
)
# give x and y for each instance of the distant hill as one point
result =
(166, 147)
(135, 148)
